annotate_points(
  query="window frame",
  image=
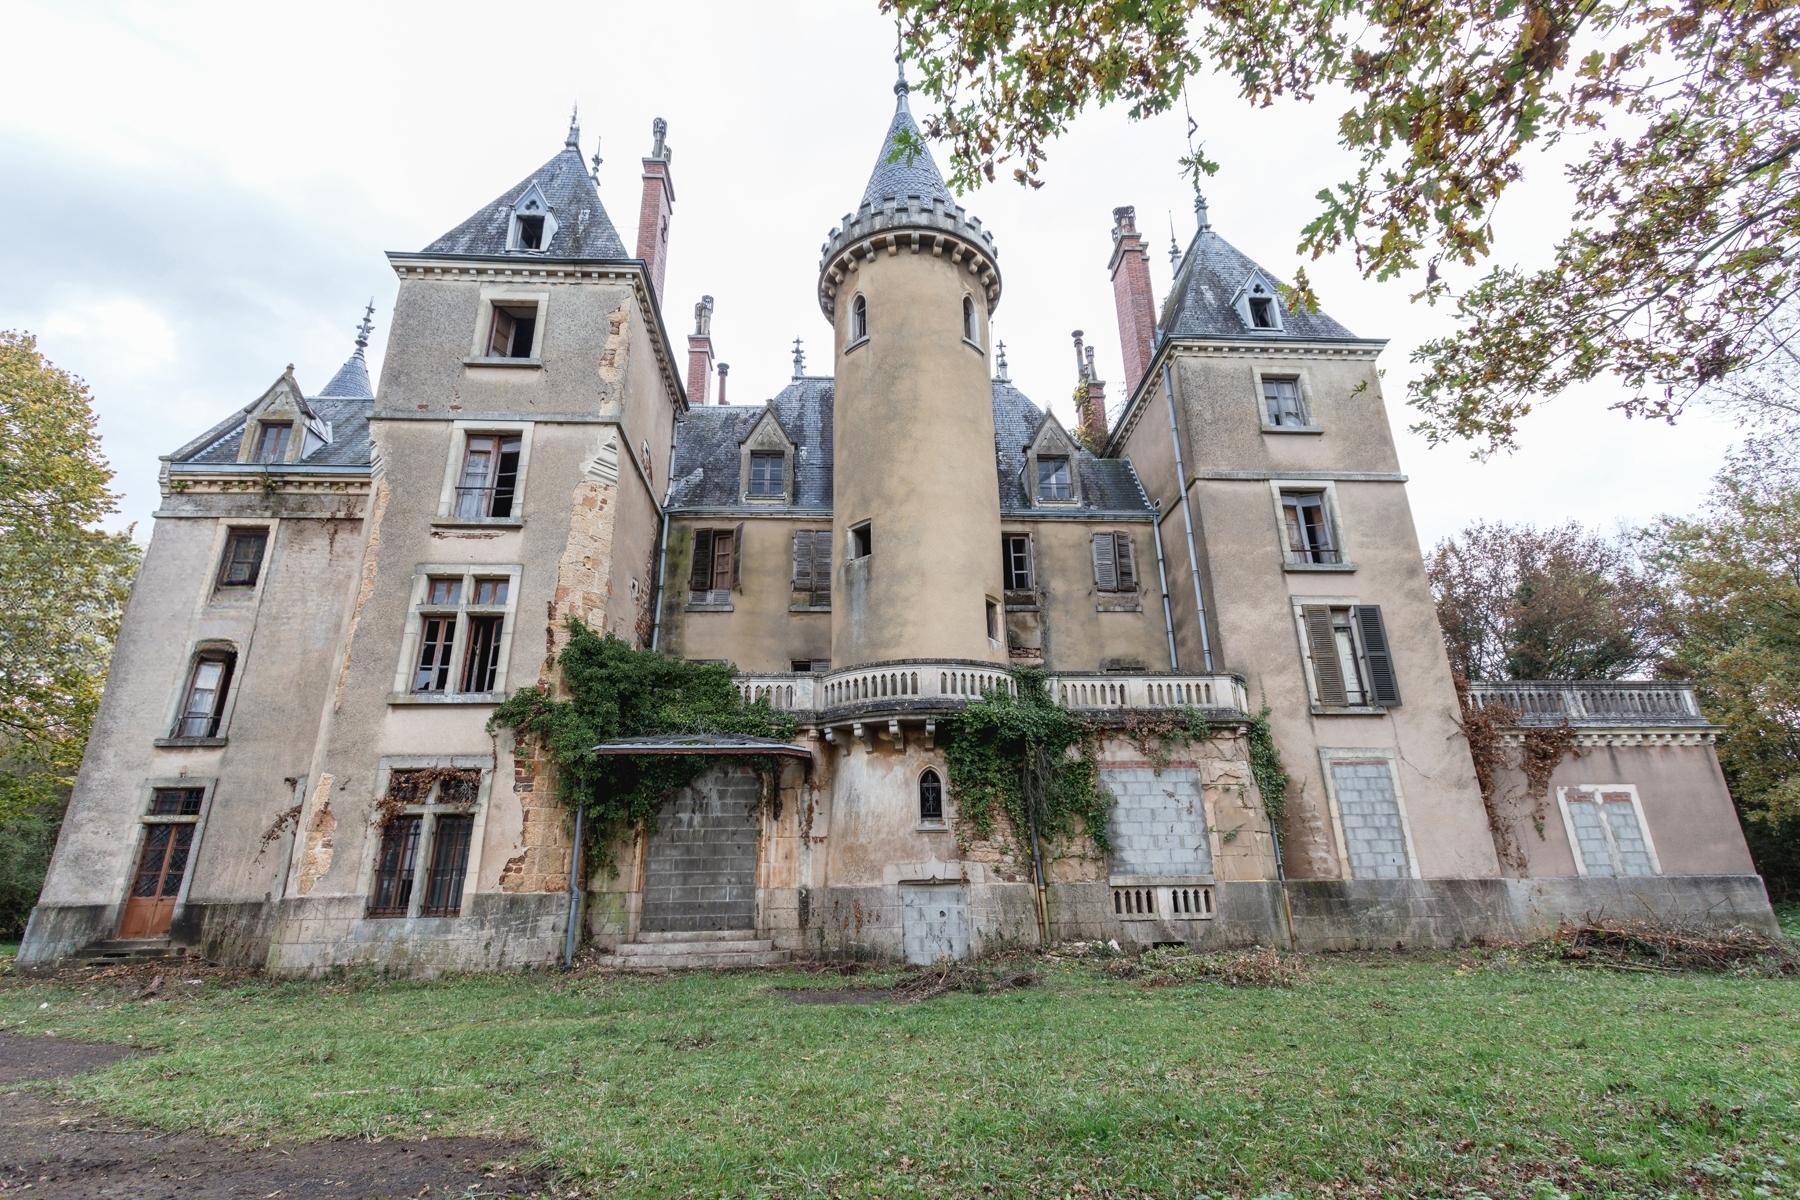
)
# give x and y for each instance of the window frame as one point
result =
(971, 324)
(460, 615)
(450, 491)
(808, 594)
(1119, 586)
(995, 617)
(861, 537)
(1377, 671)
(233, 533)
(430, 813)
(1263, 380)
(858, 333)
(1011, 570)
(218, 717)
(501, 296)
(717, 594)
(1319, 545)
(925, 823)
(1340, 542)
(1067, 464)
(1637, 807)
(775, 480)
(1353, 755)
(258, 451)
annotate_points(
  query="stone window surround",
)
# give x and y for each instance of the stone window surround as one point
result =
(972, 305)
(1052, 441)
(1296, 604)
(371, 852)
(1365, 754)
(1241, 303)
(921, 825)
(761, 439)
(856, 340)
(460, 431)
(409, 640)
(223, 529)
(233, 685)
(1334, 513)
(503, 294)
(147, 793)
(1302, 377)
(1637, 807)
(512, 224)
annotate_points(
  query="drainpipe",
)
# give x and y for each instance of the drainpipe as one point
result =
(1287, 908)
(662, 569)
(1162, 581)
(1187, 519)
(572, 934)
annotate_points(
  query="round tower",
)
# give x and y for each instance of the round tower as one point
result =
(908, 282)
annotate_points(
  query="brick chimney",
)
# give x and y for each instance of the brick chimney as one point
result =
(1091, 409)
(700, 353)
(654, 210)
(724, 370)
(1131, 294)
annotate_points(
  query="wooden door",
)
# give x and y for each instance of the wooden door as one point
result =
(162, 864)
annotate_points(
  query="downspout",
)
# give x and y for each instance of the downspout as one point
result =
(1187, 519)
(1287, 908)
(662, 570)
(570, 936)
(1162, 581)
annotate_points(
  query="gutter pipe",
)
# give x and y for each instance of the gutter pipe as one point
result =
(1162, 582)
(1187, 518)
(572, 934)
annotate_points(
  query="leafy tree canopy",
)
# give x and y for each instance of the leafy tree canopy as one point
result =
(1679, 120)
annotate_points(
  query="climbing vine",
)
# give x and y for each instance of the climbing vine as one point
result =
(614, 691)
(1266, 766)
(1488, 728)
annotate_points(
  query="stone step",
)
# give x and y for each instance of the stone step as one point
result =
(701, 935)
(129, 950)
(691, 960)
(708, 946)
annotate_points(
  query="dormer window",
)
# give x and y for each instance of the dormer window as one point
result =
(765, 475)
(1054, 479)
(1262, 312)
(531, 224)
(272, 441)
(1257, 304)
(531, 232)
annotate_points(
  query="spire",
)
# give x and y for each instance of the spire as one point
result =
(594, 164)
(573, 141)
(1000, 364)
(352, 379)
(1174, 248)
(905, 171)
(900, 88)
(799, 360)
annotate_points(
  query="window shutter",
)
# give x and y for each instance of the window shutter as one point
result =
(1384, 686)
(821, 563)
(1328, 675)
(1122, 552)
(737, 557)
(500, 336)
(803, 560)
(1106, 571)
(700, 574)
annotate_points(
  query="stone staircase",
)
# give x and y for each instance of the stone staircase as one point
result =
(708, 949)
(128, 950)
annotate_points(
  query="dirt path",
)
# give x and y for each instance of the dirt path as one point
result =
(52, 1149)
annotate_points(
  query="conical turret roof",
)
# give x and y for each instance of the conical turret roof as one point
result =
(352, 379)
(899, 172)
(581, 227)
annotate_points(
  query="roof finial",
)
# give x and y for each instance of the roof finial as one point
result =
(573, 141)
(367, 327)
(1174, 249)
(594, 163)
(1201, 221)
(1000, 363)
(799, 360)
(703, 312)
(659, 132)
(900, 88)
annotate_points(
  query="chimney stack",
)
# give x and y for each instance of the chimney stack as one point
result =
(724, 370)
(1131, 294)
(700, 355)
(1091, 410)
(654, 210)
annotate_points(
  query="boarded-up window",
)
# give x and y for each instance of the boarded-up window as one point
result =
(812, 567)
(1369, 810)
(1608, 838)
(1115, 565)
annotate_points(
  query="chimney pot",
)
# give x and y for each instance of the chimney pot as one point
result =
(654, 210)
(700, 354)
(724, 370)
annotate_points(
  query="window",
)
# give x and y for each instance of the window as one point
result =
(717, 568)
(993, 619)
(1115, 568)
(487, 486)
(1347, 647)
(1368, 804)
(862, 540)
(513, 331)
(1283, 405)
(971, 330)
(1262, 312)
(242, 563)
(1015, 562)
(532, 226)
(809, 666)
(462, 623)
(176, 802)
(272, 441)
(931, 798)
(433, 827)
(859, 319)
(812, 567)
(203, 701)
(1054, 481)
(1306, 523)
(765, 474)
(1606, 831)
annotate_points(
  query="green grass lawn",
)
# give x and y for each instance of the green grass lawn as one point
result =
(1428, 1075)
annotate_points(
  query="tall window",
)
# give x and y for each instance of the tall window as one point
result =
(1605, 831)
(717, 567)
(970, 328)
(203, 700)
(993, 619)
(242, 562)
(1055, 481)
(859, 319)
(812, 567)
(1306, 523)
(1115, 565)
(461, 627)
(1283, 405)
(512, 333)
(487, 486)
(1347, 650)
(765, 474)
(430, 826)
(931, 797)
(1015, 561)
(272, 441)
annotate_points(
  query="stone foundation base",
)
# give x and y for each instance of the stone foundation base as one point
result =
(497, 931)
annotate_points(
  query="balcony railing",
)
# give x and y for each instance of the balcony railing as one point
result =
(1597, 702)
(939, 683)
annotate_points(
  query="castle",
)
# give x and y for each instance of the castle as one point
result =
(292, 765)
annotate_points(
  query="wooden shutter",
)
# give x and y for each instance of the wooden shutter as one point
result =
(700, 574)
(1106, 569)
(1328, 675)
(803, 560)
(500, 334)
(736, 574)
(1384, 685)
(1122, 553)
(821, 564)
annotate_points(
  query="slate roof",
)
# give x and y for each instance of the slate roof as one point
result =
(1200, 301)
(899, 174)
(708, 441)
(351, 380)
(348, 417)
(583, 230)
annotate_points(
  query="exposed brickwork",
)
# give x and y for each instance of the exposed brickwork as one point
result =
(654, 211)
(1132, 296)
(316, 855)
(699, 376)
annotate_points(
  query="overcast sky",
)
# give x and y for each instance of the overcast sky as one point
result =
(199, 194)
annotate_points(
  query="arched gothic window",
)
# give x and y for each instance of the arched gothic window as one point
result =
(859, 319)
(931, 797)
(970, 329)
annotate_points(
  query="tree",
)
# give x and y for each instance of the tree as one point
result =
(1733, 572)
(1516, 602)
(1679, 118)
(63, 584)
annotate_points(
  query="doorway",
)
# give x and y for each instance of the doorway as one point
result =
(161, 867)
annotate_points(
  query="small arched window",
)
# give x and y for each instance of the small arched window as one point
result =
(969, 327)
(203, 700)
(859, 319)
(931, 797)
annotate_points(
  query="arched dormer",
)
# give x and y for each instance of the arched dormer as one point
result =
(766, 463)
(533, 224)
(1258, 304)
(1052, 478)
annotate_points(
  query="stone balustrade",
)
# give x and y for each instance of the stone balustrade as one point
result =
(1593, 702)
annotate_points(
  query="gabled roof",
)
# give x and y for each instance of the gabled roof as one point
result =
(1208, 281)
(898, 173)
(582, 228)
(348, 417)
(1108, 485)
